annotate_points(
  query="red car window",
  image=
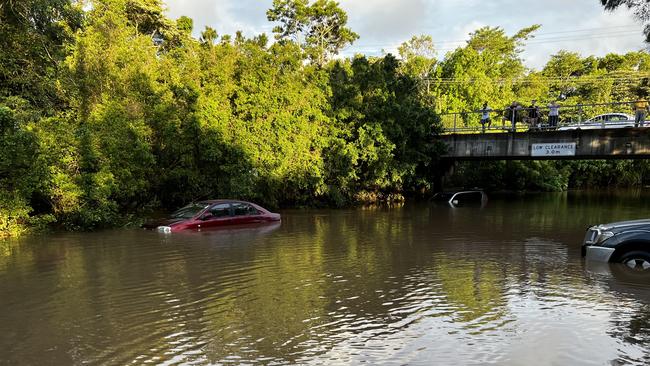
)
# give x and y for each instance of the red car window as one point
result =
(220, 210)
(243, 209)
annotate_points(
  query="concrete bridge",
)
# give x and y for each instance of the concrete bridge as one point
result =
(619, 143)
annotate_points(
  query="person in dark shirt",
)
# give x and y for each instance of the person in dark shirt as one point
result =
(510, 114)
(533, 114)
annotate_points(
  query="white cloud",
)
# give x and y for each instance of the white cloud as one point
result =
(226, 16)
(384, 24)
(608, 33)
(386, 20)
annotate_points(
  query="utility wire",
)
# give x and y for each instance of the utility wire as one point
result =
(540, 36)
(542, 80)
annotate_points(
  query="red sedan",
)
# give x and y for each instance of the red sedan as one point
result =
(215, 213)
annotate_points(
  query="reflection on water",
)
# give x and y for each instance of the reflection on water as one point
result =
(421, 284)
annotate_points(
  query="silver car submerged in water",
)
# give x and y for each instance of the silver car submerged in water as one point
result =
(626, 242)
(462, 198)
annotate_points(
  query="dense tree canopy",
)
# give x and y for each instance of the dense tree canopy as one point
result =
(320, 27)
(111, 109)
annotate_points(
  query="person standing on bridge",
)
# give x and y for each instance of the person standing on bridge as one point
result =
(641, 108)
(485, 116)
(553, 114)
(533, 114)
(511, 115)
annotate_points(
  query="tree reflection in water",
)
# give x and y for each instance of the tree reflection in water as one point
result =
(399, 285)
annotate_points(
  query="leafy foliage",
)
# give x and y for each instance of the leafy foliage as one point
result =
(320, 28)
(137, 113)
(113, 108)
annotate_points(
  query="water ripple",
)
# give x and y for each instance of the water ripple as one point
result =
(375, 287)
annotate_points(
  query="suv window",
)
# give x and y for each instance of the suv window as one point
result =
(220, 210)
(474, 196)
(243, 209)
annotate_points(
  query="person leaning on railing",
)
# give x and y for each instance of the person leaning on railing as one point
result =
(641, 108)
(485, 116)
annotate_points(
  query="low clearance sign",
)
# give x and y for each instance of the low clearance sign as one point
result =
(555, 149)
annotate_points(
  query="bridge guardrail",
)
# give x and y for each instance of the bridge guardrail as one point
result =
(570, 116)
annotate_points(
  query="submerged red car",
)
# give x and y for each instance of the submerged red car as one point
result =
(214, 213)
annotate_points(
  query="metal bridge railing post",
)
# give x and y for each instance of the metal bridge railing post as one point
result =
(580, 111)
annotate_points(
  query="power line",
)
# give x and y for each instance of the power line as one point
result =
(591, 29)
(533, 42)
(631, 73)
(544, 80)
(529, 81)
(565, 39)
(540, 36)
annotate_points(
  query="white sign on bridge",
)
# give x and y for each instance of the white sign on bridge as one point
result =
(555, 149)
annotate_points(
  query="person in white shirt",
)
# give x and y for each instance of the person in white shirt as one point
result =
(553, 114)
(485, 116)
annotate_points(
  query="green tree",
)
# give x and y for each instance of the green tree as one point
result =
(34, 36)
(146, 16)
(185, 24)
(320, 28)
(385, 122)
(209, 36)
(21, 173)
(485, 70)
(418, 60)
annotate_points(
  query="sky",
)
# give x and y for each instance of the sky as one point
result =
(582, 26)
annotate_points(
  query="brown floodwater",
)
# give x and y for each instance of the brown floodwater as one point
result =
(420, 284)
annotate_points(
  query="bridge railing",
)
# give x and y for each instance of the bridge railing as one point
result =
(569, 115)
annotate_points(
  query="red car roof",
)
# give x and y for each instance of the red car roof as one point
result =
(212, 202)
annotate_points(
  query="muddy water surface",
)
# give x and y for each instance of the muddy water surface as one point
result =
(419, 284)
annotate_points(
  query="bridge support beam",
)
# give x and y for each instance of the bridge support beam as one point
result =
(442, 170)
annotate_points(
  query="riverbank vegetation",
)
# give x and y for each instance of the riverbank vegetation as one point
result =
(109, 108)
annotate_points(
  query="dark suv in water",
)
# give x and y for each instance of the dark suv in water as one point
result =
(626, 242)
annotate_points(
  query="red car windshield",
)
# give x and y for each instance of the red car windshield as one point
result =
(189, 211)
